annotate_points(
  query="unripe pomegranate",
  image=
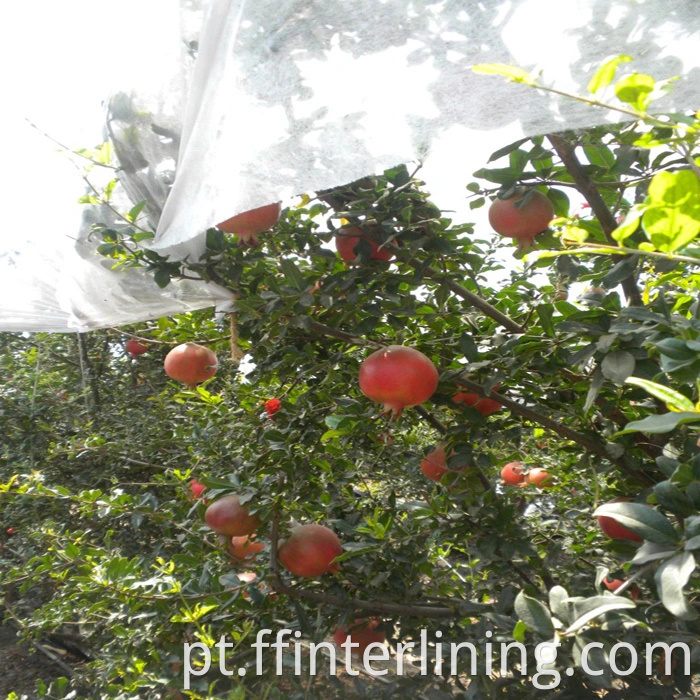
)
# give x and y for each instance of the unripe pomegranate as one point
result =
(540, 478)
(512, 474)
(483, 404)
(190, 364)
(615, 530)
(434, 464)
(228, 517)
(248, 224)
(520, 218)
(361, 632)
(615, 583)
(347, 238)
(135, 347)
(398, 376)
(244, 548)
(310, 550)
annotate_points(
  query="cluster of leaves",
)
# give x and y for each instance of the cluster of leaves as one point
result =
(602, 394)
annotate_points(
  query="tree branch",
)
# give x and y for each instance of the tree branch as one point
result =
(567, 153)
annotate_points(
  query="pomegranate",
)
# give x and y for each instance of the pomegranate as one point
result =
(196, 489)
(244, 547)
(615, 583)
(615, 531)
(434, 464)
(540, 478)
(520, 217)
(228, 517)
(248, 224)
(310, 550)
(512, 474)
(190, 364)
(483, 404)
(398, 376)
(347, 238)
(362, 632)
(135, 347)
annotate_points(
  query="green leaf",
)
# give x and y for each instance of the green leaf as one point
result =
(162, 278)
(692, 544)
(629, 225)
(672, 219)
(670, 579)
(534, 614)
(655, 425)
(545, 313)
(673, 499)
(635, 90)
(586, 610)
(651, 551)
(292, 273)
(594, 389)
(519, 631)
(506, 150)
(135, 210)
(673, 399)
(641, 519)
(618, 365)
(606, 73)
(558, 603)
(513, 73)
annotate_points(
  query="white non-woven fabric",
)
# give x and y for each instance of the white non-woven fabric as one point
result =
(254, 101)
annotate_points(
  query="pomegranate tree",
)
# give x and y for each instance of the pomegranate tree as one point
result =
(347, 238)
(522, 215)
(228, 516)
(248, 224)
(309, 551)
(398, 376)
(190, 364)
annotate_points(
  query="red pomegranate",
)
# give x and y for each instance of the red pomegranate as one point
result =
(244, 548)
(512, 474)
(398, 376)
(483, 404)
(347, 238)
(362, 632)
(522, 216)
(615, 530)
(248, 224)
(434, 464)
(614, 583)
(135, 347)
(310, 550)
(540, 478)
(190, 364)
(228, 517)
